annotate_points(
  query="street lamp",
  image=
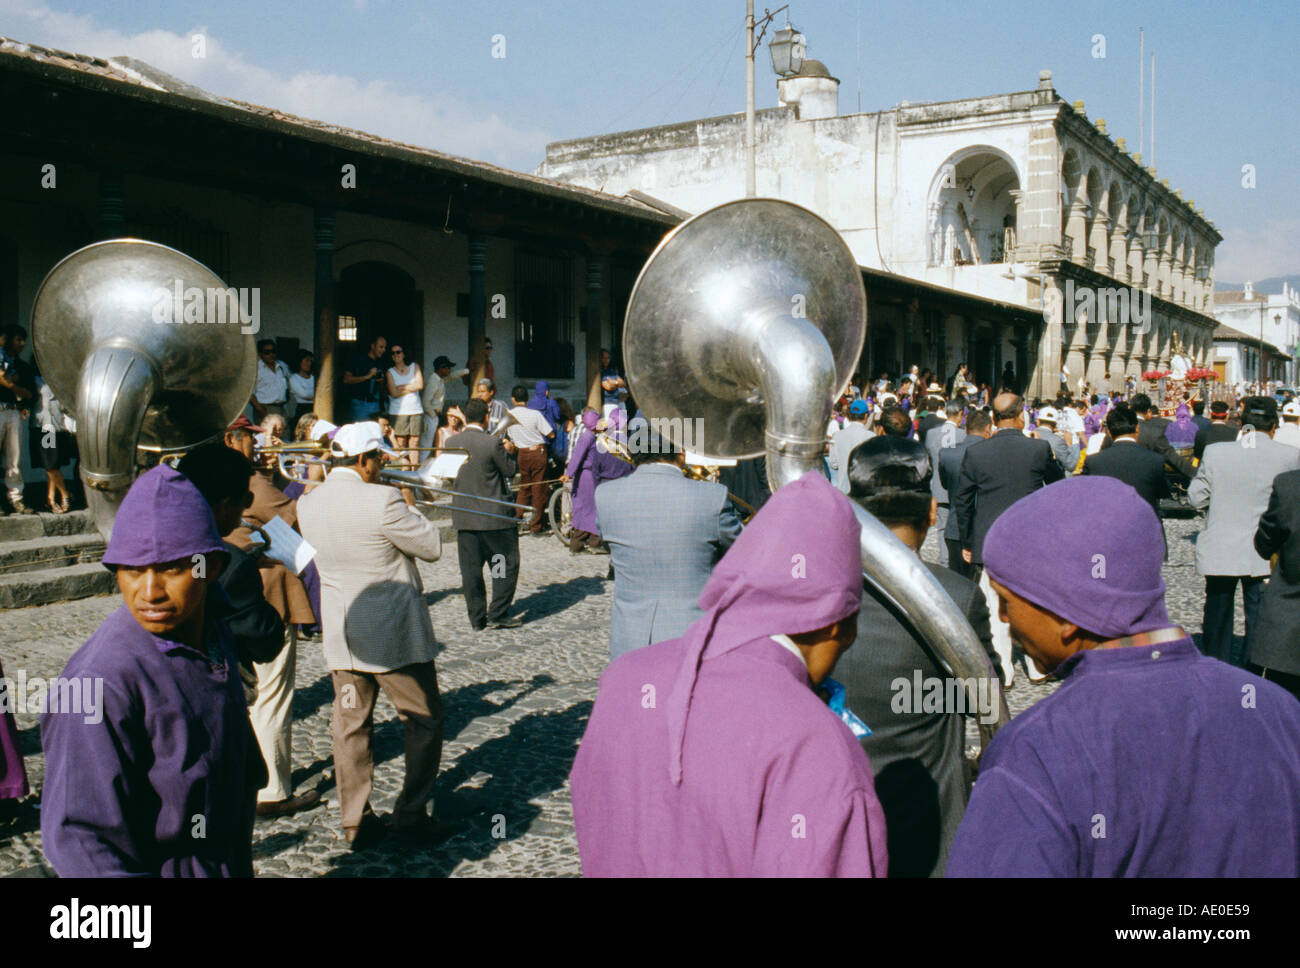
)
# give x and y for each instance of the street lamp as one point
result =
(751, 45)
(787, 49)
(1203, 272)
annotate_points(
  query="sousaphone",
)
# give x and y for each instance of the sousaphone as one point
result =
(136, 370)
(746, 325)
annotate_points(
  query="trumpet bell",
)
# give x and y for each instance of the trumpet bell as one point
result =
(708, 291)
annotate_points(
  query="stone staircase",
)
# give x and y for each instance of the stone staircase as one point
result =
(47, 558)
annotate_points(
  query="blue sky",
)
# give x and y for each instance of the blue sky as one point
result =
(1226, 95)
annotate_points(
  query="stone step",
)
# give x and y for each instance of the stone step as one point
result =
(50, 552)
(21, 527)
(49, 585)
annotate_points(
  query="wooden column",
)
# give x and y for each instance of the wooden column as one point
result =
(329, 368)
(112, 206)
(477, 327)
(593, 333)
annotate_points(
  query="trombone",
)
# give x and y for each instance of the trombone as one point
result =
(413, 480)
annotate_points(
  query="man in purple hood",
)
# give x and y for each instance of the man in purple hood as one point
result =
(711, 755)
(1151, 760)
(158, 774)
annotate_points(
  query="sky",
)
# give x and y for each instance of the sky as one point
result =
(425, 73)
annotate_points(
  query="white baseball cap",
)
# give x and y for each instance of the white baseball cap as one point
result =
(355, 439)
(1048, 415)
(1292, 409)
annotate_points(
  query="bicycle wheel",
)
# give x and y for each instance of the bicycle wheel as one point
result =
(560, 512)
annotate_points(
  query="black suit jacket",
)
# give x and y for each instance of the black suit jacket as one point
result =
(950, 459)
(256, 625)
(1277, 644)
(1215, 433)
(487, 473)
(916, 755)
(1151, 435)
(1139, 468)
(995, 474)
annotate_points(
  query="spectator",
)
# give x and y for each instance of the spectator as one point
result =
(362, 378)
(404, 383)
(994, 475)
(1066, 451)
(302, 385)
(1219, 430)
(1234, 482)
(854, 433)
(1276, 654)
(1289, 431)
(271, 390)
(917, 755)
(1139, 468)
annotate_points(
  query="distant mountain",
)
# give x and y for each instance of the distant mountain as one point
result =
(1270, 287)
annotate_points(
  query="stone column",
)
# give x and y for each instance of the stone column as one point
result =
(329, 368)
(476, 327)
(1076, 231)
(1038, 216)
(1135, 260)
(1164, 272)
(1151, 265)
(1099, 240)
(594, 396)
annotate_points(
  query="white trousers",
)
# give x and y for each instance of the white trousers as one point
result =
(12, 426)
(271, 711)
(1001, 630)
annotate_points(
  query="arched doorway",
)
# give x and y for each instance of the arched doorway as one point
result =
(383, 301)
(972, 211)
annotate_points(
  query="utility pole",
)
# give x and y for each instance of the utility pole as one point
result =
(750, 163)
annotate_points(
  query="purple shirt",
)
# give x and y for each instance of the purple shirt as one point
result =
(1149, 761)
(165, 784)
(773, 783)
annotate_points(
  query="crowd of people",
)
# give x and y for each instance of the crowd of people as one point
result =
(720, 743)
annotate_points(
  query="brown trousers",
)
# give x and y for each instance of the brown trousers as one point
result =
(532, 468)
(413, 690)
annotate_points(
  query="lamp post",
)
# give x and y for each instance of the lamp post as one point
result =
(787, 49)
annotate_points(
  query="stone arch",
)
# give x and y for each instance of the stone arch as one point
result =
(972, 210)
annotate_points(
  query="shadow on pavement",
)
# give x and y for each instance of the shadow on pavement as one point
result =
(529, 762)
(557, 596)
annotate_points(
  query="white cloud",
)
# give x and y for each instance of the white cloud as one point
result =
(377, 107)
(1258, 251)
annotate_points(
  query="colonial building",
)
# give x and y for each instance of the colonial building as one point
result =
(344, 235)
(1018, 198)
(1259, 335)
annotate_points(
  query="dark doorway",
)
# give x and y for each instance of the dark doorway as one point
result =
(884, 349)
(384, 301)
(8, 283)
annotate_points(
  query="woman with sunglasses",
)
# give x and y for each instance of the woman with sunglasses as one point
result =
(405, 411)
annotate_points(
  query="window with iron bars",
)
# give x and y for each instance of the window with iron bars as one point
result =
(544, 313)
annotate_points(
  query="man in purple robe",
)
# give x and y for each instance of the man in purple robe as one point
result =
(13, 775)
(711, 755)
(161, 779)
(1151, 759)
(581, 472)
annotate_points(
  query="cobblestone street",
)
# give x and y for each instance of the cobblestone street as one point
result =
(516, 704)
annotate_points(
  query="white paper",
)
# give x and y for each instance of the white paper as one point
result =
(287, 545)
(446, 466)
(699, 460)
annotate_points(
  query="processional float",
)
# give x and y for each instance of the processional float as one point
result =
(748, 321)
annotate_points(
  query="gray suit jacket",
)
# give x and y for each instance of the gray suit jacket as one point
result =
(940, 438)
(372, 600)
(1067, 457)
(1234, 481)
(665, 533)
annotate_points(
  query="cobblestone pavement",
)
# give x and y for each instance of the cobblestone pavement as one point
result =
(515, 702)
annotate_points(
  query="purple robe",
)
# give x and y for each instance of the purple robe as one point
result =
(1186, 771)
(13, 775)
(711, 755)
(582, 473)
(122, 796)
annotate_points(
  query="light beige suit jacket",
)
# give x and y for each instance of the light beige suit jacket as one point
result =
(366, 540)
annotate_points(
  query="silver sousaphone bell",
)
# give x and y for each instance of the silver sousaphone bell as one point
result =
(747, 322)
(146, 348)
